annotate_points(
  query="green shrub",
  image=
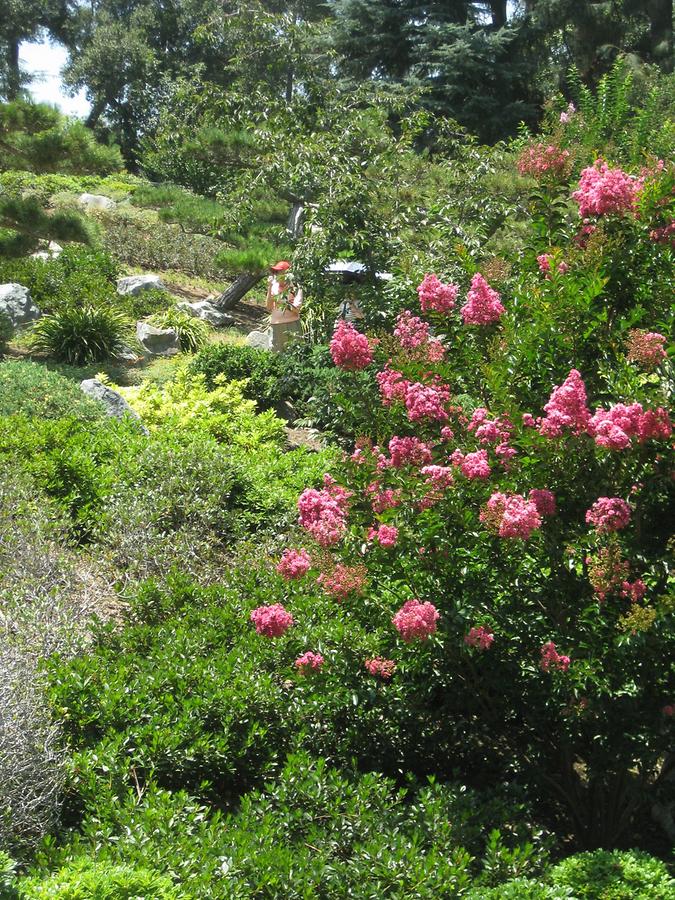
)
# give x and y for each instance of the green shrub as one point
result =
(185, 405)
(260, 369)
(88, 880)
(615, 875)
(8, 889)
(192, 332)
(82, 335)
(521, 889)
(32, 390)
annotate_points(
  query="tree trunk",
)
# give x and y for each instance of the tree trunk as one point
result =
(294, 221)
(13, 70)
(241, 285)
(498, 11)
(661, 33)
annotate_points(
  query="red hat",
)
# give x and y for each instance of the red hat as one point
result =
(281, 266)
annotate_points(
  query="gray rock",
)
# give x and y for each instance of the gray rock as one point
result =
(157, 341)
(261, 340)
(16, 304)
(54, 248)
(115, 404)
(202, 309)
(42, 255)
(134, 284)
(96, 201)
(53, 251)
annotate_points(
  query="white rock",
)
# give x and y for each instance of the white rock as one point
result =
(54, 248)
(134, 284)
(261, 340)
(202, 309)
(41, 255)
(157, 341)
(17, 305)
(96, 201)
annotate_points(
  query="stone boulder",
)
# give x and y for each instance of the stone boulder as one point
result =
(53, 251)
(134, 284)
(17, 305)
(96, 201)
(115, 404)
(157, 341)
(261, 340)
(202, 309)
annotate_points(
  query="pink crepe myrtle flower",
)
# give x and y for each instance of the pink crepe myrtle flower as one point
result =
(604, 191)
(309, 663)
(383, 499)
(294, 564)
(551, 659)
(323, 513)
(386, 535)
(435, 296)
(437, 477)
(423, 401)
(544, 262)
(479, 637)
(416, 620)
(567, 114)
(511, 515)
(609, 514)
(474, 465)
(411, 331)
(447, 434)
(483, 305)
(566, 408)
(382, 668)
(343, 581)
(633, 590)
(272, 621)
(544, 500)
(607, 572)
(349, 349)
(669, 710)
(434, 351)
(646, 348)
(664, 235)
(529, 421)
(487, 430)
(409, 451)
(393, 386)
(614, 428)
(544, 161)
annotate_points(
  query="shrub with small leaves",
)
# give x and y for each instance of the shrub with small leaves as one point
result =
(192, 332)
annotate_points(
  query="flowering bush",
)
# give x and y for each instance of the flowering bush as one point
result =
(604, 191)
(272, 621)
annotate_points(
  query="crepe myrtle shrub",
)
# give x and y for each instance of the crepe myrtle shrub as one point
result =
(570, 688)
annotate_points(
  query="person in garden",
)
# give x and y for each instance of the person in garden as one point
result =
(284, 303)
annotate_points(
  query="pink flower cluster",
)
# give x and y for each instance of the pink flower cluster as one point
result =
(490, 431)
(323, 513)
(664, 235)
(383, 668)
(435, 296)
(439, 478)
(645, 348)
(393, 386)
(411, 331)
(544, 261)
(383, 499)
(603, 191)
(542, 160)
(294, 564)
(343, 581)
(669, 710)
(566, 115)
(416, 620)
(614, 428)
(309, 662)
(385, 535)
(607, 571)
(409, 451)
(426, 401)
(483, 305)
(566, 408)
(350, 349)
(609, 514)
(511, 515)
(544, 500)
(472, 465)
(479, 637)
(551, 659)
(272, 621)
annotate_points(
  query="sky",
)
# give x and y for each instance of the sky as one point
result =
(44, 61)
